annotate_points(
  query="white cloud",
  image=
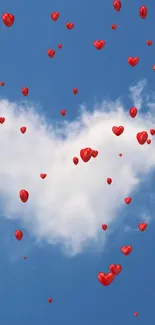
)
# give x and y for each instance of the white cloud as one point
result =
(136, 93)
(69, 206)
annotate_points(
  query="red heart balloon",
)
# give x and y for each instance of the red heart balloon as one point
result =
(113, 26)
(133, 112)
(133, 61)
(106, 279)
(75, 161)
(117, 5)
(142, 226)
(55, 15)
(24, 195)
(51, 53)
(126, 250)
(25, 91)
(149, 42)
(43, 176)
(115, 269)
(143, 12)
(109, 180)
(99, 44)
(85, 154)
(23, 129)
(118, 130)
(152, 132)
(8, 19)
(104, 226)
(142, 137)
(94, 153)
(70, 26)
(2, 120)
(128, 200)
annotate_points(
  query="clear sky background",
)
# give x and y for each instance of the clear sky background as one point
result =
(71, 281)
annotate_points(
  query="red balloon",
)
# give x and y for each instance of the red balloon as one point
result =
(114, 26)
(75, 91)
(23, 129)
(109, 180)
(59, 46)
(51, 53)
(133, 112)
(55, 15)
(25, 257)
(8, 19)
(18, 234)
(104, 226)
(142, 226)
(70, 26)
(50, 300)
(43, 176)
(117, 5)
(136, 313)
(106, 278)
(142, 137)
(94, 153)
(143, 12)
(2, 120)
(24, 195)
(63, 112)
(115, 269)
(2, 83)
(75, 160)
(85, 154)
(25, 91)
(152, 132)
(99, 44)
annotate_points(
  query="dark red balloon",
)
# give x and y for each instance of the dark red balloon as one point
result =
(8, 19)
(143, 12)
(117, 5)
(24, 195)
(18, 234)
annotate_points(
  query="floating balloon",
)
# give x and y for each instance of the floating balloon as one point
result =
(63, 112)
(143, 12)
(8, 19)
(23, 129)
(75, 161)
(18, 234)
(55, 15)
(24, 195)
(51, 53)
(25, 91)
(117, 5)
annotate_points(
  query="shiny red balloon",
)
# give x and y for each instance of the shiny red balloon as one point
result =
(23, 129)
(25, 91)
(50, 300)
(24, 195)
(18, 234)
(75, 91)
(8, 19)
(104, 226)
(117, 5)
(51, 53)
(133, 112)
(55, 15)
(143, 12)
(75, 161)
(63, 112)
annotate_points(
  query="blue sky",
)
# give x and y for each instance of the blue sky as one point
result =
(26, 285)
